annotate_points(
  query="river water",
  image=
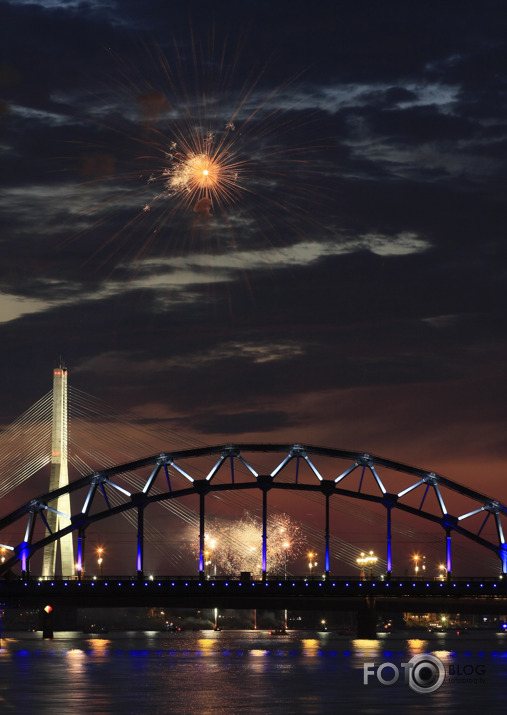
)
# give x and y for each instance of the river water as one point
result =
(237, 672)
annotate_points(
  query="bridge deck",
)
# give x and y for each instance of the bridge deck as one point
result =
(395, 595)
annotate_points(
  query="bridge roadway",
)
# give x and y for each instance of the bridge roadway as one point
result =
(483, 596)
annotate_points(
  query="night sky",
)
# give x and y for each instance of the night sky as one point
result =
(351, 293)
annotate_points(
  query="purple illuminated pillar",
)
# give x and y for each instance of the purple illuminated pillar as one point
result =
(448, 552)
(79, 562)
(327, 537)
(25, 552)
(388, 537)
(202, 536)
(503, 556)
(140, 542)
(264, 532)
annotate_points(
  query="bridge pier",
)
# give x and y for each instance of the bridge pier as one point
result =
(47, 621)
(367, 618)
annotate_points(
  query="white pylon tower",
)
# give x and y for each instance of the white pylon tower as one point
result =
(59, 477)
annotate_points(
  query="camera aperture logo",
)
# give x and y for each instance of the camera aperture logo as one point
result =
(424, 673)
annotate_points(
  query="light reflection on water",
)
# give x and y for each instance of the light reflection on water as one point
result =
(236, 672)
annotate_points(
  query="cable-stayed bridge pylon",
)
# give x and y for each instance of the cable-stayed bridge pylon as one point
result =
(59, 477)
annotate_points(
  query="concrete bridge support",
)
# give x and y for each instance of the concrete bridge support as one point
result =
(367, 618)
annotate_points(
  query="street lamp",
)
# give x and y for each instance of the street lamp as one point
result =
(366, 564)
(100, 560)
(419, 567)
(311, 562)
(442, 572)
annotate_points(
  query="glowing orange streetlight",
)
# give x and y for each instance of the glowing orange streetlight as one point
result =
(311, 562)
(100, 560)
(366, 563)
(419, 564)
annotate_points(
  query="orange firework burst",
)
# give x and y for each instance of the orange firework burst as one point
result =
(204, 173)
(194, 150)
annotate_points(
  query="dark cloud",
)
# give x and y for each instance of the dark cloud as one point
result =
(353, 296)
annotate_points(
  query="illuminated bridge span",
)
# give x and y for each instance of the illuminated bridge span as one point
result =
(332, 474)
(456, 595)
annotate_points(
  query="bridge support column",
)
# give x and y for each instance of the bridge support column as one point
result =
(448, 563)
(367, 618)
(25, 559)
(503, 557)
(202, 535)
(327, 538)
(388, 538)
(140, 542)
(80, 553)
(47, 622)
(264, 532)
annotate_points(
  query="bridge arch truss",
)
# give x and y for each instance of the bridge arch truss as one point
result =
(173, 475)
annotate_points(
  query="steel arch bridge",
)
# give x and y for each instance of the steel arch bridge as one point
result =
(231, 470)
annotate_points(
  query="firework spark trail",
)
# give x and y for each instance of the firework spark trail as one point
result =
(199, 140)
(236, 546)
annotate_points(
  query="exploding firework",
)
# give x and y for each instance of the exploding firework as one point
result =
(201, 173)
(195, 155)
(232, 547)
